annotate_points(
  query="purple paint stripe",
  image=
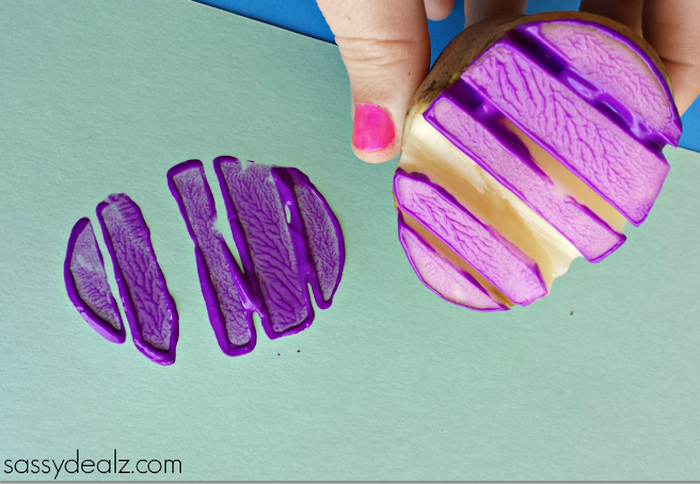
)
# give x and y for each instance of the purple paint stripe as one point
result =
(607, 83)
(87, 284)
(149, 307)
(256, 203)
(229, 306)
(319, 233)
(606, 103)
(480, 246)
(479, 138)
(441, 276)
(617, 167)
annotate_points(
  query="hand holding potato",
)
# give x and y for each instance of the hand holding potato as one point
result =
(386, 49)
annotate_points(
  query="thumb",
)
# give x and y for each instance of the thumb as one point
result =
(386, 49)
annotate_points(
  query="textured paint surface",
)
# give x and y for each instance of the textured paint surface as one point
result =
(87, 284)
(586, 231)
(621, 170)
(439, 274)
(322, 234)
(232, 321)
(148, 306)
(255, 199)
(610, 63)
(492, 257)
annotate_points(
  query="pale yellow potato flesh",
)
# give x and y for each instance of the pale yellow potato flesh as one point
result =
(568, 183)
(427, 151)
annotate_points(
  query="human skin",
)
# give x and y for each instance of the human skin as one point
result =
(386, 49)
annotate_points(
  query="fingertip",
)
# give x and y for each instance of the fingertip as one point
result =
(438, 9)
(385, 47)
(376, 157)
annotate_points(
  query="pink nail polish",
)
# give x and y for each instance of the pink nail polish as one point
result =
(373, 129)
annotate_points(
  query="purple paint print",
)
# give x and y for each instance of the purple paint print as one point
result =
(87, 284)
(229, 305)
(148, 306)
(319, 232)
(487, 252)
(270, 255)
(442, 276)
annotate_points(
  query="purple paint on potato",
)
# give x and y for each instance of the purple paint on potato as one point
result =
(229, 305)
(148, 306)
(480, 246)
(614, 164)
(516, 170)
(321, 235)
(441, 276)
(615, 65)
(271, 256)
(87, 284)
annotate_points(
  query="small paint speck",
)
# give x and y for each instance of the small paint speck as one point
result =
(278, 354)
(298, 351)
(572, 313)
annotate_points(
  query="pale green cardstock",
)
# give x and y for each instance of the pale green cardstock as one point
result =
(597, 381)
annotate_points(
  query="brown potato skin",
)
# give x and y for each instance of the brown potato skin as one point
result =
(471, 42)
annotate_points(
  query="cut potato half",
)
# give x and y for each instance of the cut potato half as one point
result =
(529, 144)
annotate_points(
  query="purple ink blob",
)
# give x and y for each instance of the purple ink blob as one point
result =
(228, 302)
(87, 284)
(149, 307)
